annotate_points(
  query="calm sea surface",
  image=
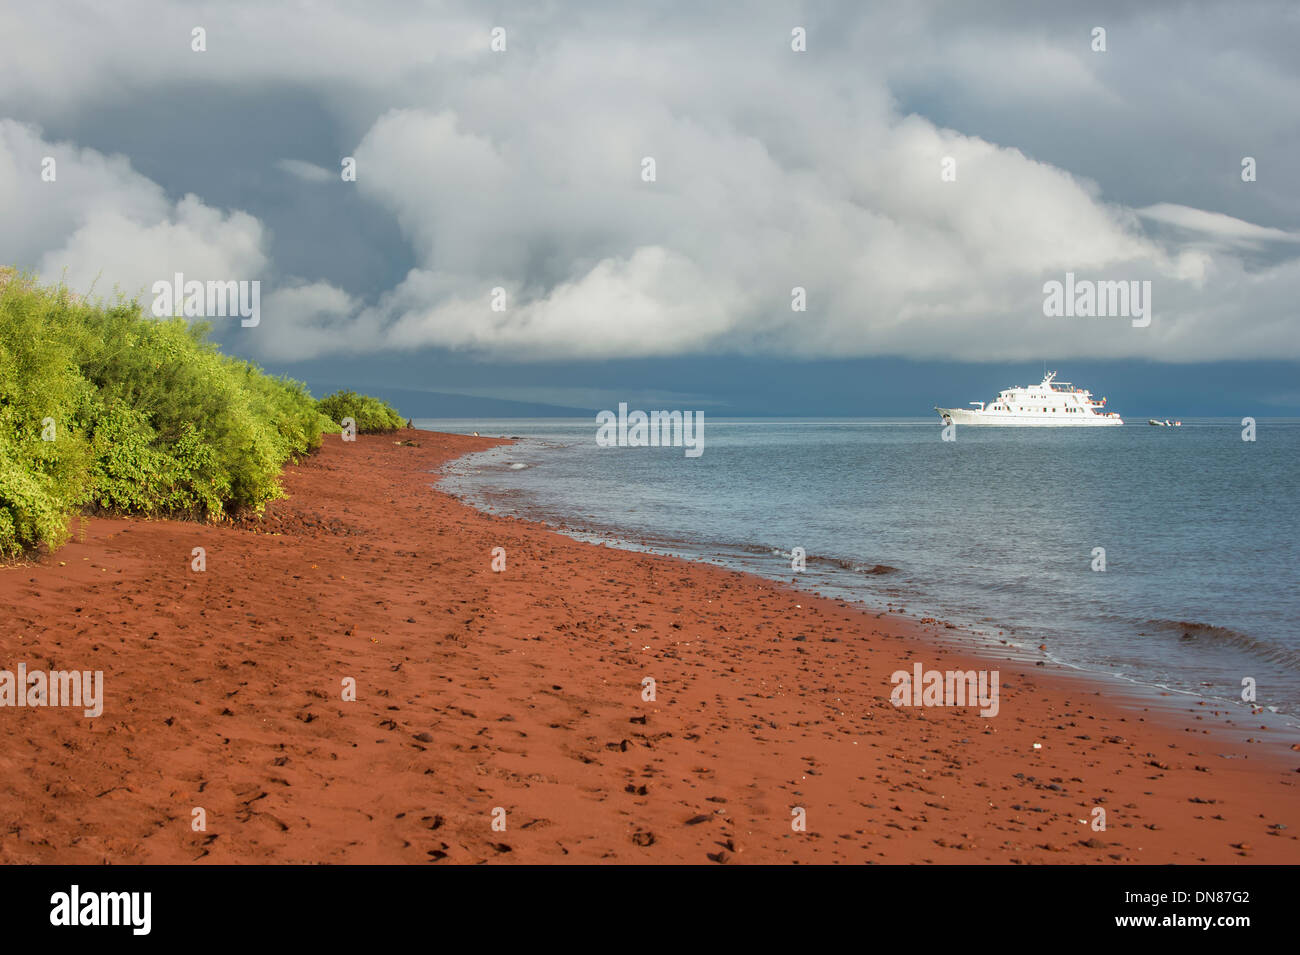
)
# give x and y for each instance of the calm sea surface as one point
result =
(995, 531)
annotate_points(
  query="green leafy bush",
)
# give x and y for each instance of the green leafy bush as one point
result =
(371, 415)
(104, 408)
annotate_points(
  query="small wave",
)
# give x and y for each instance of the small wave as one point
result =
(1193, 631)
(843, 563)
(853, 566)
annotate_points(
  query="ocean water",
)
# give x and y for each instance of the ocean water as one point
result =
(994, 532)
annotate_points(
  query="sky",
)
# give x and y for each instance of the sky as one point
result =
(918, 170)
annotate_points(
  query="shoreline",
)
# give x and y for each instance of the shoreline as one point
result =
(992, 641)
(523, 690)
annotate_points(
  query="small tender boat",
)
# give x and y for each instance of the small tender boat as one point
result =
(1164, 424)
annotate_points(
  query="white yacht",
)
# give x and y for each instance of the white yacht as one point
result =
(1048, 404)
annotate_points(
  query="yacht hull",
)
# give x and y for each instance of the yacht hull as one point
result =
(1012, 419)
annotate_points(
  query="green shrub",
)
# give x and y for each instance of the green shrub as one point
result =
(372, 416)
(41, 394)
(105, 408)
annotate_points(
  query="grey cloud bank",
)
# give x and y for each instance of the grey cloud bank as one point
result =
(521, 171)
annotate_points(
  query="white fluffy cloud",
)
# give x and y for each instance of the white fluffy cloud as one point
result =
(307, 171)
(598, 263)
(101, 225)
(1215, 225)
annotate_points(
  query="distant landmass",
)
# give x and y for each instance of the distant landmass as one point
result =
(414, 403)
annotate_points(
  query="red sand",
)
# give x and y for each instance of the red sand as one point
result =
(522, 690)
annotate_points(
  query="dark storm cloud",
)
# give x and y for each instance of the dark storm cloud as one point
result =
(521, 170)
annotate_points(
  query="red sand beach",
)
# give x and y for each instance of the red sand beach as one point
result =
(523, 690)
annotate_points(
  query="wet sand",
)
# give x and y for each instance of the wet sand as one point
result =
(521, 690)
